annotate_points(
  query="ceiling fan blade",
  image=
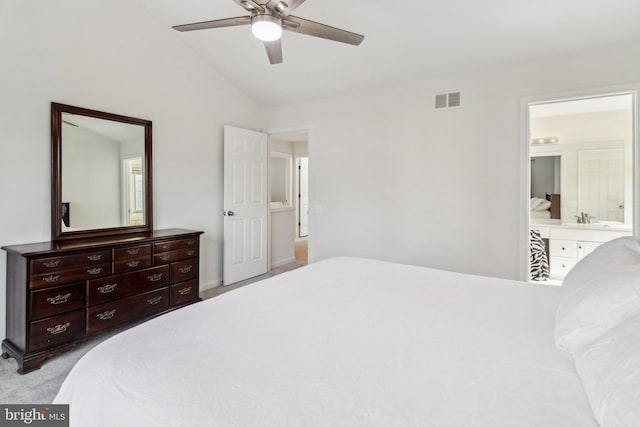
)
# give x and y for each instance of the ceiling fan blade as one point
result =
(249, 5)
(274, 51)
(218, 23)
(284, 7)
(293, 5)
(315, 29)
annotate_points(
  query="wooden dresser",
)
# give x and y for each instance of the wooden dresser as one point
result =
(60, 293)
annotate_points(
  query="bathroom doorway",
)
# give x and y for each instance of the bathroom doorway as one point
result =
(581, 185)
(289, 183)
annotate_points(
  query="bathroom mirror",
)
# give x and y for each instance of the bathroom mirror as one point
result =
(280, 170)
(101, 173)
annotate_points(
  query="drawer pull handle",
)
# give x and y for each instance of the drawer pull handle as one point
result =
(133, 263)
(191, 242)
(59, 299)
(94, 271)
(133, 251)
(190, 253)
(94, 257)
(185, 269)
(165, 257)
(106, 315)
(165, 246)
(185, 291)
(107, 289)
(155, 277)
(59, 329)
(51, 279)
(52, 264)
(154, 300)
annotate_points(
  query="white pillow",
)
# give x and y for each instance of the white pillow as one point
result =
(609, 368)
(601, 291)
(535, 201)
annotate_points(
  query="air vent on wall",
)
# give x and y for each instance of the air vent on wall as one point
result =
(448, 100)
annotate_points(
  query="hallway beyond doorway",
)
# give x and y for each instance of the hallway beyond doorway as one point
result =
(301, 251)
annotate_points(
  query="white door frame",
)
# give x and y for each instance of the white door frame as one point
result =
(298, 161)
(525, 173)
(274, 133)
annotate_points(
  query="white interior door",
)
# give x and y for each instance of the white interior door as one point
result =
(245, 204)
(303, 197)
(601, 184)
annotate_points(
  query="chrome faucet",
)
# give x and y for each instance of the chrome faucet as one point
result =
(584, 218)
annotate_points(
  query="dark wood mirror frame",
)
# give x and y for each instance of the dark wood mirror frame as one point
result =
(56, 174)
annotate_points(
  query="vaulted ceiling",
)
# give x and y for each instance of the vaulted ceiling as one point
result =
(409, 40)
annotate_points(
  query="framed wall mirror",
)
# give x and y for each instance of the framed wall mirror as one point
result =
(101, 173)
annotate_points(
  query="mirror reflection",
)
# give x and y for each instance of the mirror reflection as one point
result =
(281, 179)
(102, 174)
(582, 150)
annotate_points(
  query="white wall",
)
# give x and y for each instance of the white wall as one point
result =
(394, 179)
(282, 236)
(111, 56)
(301, 148)
(280, 145)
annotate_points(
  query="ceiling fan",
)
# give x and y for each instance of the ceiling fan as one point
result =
(268, 18)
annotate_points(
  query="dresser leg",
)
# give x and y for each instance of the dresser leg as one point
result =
(5, 355)
(26, 366)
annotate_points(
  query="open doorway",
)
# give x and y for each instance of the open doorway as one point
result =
(133, 192)
(289, 197)
(581, 194)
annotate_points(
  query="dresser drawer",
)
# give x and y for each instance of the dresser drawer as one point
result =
(56, 330)
(131, 252)
(122, 285)
(132, 264)
(69, 262)
(184, 270)
(560, 266)
(184, 292)
(172, 245)
(112, 314)
(66, 276)
(52, 301)
(177, 255)
(563, 248)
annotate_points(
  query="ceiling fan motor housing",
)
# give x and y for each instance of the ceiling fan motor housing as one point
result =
(266, 26)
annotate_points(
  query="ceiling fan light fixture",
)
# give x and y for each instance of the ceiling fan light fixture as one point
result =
(266, 27)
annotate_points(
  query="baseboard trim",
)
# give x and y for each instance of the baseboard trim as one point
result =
(283, 262)
(210, 285)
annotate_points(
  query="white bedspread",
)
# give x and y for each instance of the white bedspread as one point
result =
(343, 342)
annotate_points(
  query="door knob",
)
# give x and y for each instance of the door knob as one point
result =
(229, 213)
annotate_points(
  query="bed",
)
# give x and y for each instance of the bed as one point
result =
(545, 209)
(341, 342)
